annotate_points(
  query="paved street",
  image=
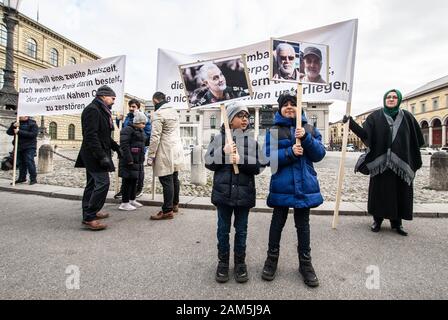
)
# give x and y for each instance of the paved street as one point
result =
(140, 259)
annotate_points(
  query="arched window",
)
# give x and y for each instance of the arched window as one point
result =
(71, 61)
(31, 48)
(53, 131)
(3, 35)
(54, 57)
(213, 122)
(71, 132)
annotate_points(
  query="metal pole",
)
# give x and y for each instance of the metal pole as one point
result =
(9, 96)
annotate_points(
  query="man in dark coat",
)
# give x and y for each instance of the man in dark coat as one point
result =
(96, 156)
(27, 131)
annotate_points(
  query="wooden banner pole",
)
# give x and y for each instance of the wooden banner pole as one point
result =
(16, 144)
(341, 170)
(228, 133)
(299, 109)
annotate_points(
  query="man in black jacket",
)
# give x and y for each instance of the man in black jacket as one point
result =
(96, 156)
(27, 131)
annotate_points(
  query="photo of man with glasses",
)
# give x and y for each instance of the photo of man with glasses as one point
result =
(287, 63)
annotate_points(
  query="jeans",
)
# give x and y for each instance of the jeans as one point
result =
(141, 179)
(95, 194)
(129, 188)
(140, 182)
(240, 224)
(171, 190)
(302, 223)
(25, 161)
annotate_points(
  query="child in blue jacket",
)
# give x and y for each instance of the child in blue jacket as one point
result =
(293, 184)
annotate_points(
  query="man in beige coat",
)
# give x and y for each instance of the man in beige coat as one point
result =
(166, 155)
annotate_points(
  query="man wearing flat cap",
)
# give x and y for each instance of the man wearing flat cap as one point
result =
(96, 156)
(313, 65)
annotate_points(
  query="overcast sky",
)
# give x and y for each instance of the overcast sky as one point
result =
(401, 44)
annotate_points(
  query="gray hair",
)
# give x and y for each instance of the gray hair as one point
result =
(203, 71)
(284, 47)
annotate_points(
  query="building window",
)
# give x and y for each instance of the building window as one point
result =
(188, 118)
(198, 118)
(413, 108)
(31, 48)
(3, 35)
(53, 131)
(2, 74)
(423, 107)
(71, 61)
(213, 122)
(54, 57)
(435, 104)
(71, 132)
(314, 121)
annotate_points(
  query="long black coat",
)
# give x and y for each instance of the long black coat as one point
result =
(132, 145)
(97, 139)
(228, 188)
(390, 195)
(28, 131)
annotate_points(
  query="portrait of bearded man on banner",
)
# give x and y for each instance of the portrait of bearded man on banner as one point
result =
(299, 62)
(218, 82)
(287, 62)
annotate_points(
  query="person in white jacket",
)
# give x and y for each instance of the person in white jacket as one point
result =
(166, 155)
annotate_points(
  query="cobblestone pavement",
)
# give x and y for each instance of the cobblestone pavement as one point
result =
(355, 185)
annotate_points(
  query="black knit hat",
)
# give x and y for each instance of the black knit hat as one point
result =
(105, 91)
(284, 98)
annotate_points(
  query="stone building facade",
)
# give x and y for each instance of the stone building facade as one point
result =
(428, 104)
(38, 47)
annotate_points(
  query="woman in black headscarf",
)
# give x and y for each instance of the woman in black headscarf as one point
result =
(393, 138)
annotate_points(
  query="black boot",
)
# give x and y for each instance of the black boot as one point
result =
(307, 271)
(270, 266)
(376, 226)
(241, 275)
(222, 273)
(397, 225)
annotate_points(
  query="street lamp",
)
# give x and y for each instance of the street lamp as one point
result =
(8, 94)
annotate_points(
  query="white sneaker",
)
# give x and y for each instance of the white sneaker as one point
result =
(136, 204)
(127, 207)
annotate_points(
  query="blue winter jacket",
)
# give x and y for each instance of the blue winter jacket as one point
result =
(294, 181)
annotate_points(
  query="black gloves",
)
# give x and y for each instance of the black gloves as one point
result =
(346, 119)
(106, 163)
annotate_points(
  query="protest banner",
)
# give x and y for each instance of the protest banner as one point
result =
(340, 37)
(215, 82)
(68, 90)
(299, 62)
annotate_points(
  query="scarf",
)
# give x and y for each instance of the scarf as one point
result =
(108, 111)
(392, 112)
(394, 144)
(159, 105)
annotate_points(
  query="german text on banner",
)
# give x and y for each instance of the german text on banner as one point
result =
(341, 38)
(68, 90)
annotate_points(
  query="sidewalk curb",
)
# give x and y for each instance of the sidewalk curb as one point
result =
(203, 206)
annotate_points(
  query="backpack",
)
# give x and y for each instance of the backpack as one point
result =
(7, 162)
